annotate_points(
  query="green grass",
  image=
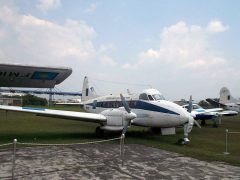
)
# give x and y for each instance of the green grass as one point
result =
(207, 143)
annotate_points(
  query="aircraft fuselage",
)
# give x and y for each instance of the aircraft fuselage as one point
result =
(150, 113)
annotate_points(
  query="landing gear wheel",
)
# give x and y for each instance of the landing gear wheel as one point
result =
(183, 141)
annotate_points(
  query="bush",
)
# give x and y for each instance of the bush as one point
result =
(34, 100)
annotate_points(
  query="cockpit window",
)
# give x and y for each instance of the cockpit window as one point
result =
(195, 106)
(150, 98)
(158, 97)
(143, 96)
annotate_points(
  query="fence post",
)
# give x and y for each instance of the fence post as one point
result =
(226, 143)
(14, 155)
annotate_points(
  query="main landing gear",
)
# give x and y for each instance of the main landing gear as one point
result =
(183, 141)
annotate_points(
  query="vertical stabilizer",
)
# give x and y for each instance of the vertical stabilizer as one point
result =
(87, 93)
(225, 96)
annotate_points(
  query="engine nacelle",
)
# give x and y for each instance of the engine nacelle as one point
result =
(115, 117)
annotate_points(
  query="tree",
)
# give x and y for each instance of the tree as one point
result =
(34, 100)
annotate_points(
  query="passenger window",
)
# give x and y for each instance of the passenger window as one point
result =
(143, 96)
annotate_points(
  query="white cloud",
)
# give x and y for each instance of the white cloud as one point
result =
(108, 61)
(106, 48)
(126, 66)
(45, 41)
(2, 33)
(150, 53)
(46, 5)
(26, 39)
(216, 26)
(92, 7)
(183, 46)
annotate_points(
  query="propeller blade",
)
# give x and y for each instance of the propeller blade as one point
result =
(130, 116)
(198, 125)
(125, 104)
(190, 105)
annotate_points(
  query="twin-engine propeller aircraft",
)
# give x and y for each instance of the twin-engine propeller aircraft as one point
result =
(117, 113)
(226, 101)
(214, 114)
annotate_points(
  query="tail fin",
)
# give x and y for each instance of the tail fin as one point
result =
(225, 96)
(87, 93)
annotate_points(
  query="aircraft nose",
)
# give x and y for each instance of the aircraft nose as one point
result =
(184, 115)
(131, 116)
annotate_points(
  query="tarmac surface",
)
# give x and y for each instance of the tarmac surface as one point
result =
(103, 161)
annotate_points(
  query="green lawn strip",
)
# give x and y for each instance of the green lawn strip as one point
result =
(207, 143)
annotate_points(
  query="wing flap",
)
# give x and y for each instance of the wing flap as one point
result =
(79, 116)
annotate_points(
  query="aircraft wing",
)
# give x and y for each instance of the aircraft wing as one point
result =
(215, 103)
(228, 113)
(15, 75)
(79, 116)
(203, 114)
(213, 110)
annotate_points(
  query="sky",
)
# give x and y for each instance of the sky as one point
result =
(181, 48)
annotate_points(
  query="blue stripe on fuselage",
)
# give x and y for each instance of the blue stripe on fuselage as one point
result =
(31, 108)
(151, 107)
(135, 105)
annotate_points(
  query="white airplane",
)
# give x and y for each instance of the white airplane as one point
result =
(226, 101)
(214, 114)
(116, 113)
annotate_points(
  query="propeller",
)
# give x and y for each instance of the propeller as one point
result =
(125, 104)
(190, 107)
(130, 116)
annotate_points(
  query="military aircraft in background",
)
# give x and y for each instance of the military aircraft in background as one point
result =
(226, 101)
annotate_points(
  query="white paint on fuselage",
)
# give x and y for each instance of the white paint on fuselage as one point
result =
(233, 107)
(146, 118)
